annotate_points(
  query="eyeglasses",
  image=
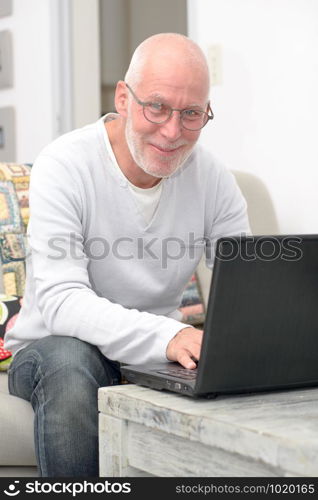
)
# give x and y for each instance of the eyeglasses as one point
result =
(157, 112)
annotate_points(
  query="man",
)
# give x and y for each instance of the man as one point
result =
(120, 212)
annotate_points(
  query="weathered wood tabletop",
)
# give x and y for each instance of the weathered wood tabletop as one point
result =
(146, 432)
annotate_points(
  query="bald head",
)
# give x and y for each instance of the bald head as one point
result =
(168, 49)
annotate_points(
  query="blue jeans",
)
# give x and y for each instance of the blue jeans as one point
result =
(60, 376)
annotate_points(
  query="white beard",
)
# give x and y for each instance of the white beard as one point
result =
(164, 167)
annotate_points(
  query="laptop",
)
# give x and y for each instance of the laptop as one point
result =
(261, 327)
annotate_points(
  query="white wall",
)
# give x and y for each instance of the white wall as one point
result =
(86, 61)
(266, 109)
(32, 90)
(38, 42)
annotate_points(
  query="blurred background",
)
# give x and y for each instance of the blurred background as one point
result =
(60, 61)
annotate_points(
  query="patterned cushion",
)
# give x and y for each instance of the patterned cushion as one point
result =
(9, 310)
(14, 217)
(192, 306)
(5, 357)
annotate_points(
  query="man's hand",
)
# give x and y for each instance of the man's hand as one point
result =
(185, 347)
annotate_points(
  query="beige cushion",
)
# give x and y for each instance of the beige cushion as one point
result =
(3, 383)
(16, 417)
(261, 211)
(19, 472)
(262, 217)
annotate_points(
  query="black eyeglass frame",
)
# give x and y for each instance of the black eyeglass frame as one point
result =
(145, 104)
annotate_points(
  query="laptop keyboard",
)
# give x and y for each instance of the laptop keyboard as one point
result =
(179, 372)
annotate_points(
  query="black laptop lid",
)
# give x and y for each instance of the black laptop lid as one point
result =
(261, 330)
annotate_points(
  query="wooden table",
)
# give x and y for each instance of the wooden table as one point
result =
(145, 432)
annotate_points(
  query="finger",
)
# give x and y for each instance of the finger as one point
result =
(184, 358)
(194, 350)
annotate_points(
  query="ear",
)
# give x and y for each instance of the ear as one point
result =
(121, 98)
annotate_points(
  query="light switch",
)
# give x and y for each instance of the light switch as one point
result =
(5, 8)
(7, 135)
(6, 60)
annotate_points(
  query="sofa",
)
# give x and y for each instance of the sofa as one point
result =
(17, 456)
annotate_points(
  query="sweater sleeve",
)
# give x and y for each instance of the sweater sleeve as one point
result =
(229, 214)
(64, 295)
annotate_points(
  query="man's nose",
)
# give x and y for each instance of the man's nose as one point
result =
(172, 128)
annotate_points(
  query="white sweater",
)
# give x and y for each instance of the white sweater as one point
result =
(96, 270)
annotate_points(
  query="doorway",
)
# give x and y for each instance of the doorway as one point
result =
(124, 24)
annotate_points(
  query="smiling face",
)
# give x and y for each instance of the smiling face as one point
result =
(160, 149)
(153, 153)
(167, 78)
